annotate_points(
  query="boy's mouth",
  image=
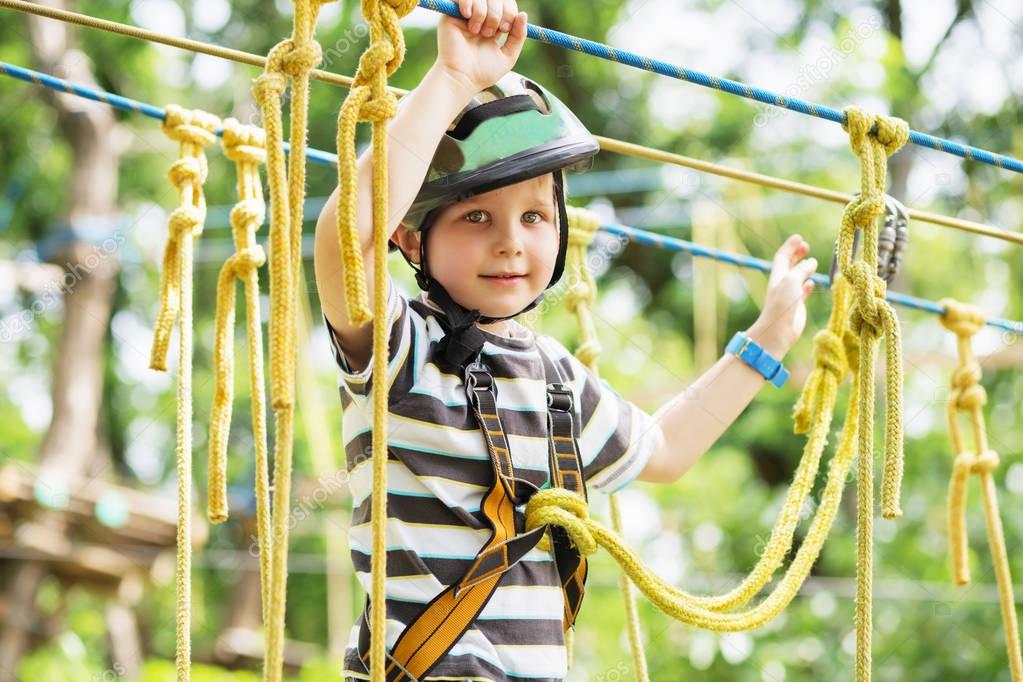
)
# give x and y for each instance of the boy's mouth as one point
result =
(505, 277)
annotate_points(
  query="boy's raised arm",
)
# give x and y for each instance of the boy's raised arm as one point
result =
(413, 133)
(466, 63)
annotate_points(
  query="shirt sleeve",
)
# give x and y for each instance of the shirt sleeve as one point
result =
(616, 436)
(404, 357)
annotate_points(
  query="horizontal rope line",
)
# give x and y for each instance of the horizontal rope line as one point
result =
(606, 143)
(570, 42)
(641, 236)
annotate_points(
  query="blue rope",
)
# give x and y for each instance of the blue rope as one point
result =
(570, 42)
(124, 103)
(675, 244)
(631, 233)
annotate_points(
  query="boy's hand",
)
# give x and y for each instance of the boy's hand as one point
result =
(468, 49)
(783, 318)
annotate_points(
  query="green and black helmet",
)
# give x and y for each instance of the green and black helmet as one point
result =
(515, 130)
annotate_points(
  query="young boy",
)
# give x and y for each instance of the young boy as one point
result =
(476, 205)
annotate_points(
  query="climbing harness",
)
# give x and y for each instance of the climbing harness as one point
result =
(446, 618)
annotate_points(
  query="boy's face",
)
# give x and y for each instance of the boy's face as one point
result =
(496, 252)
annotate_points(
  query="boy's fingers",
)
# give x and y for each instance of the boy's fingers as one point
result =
(516, 37)
(478, 12)
(784, 252)
(495, 8)
(510, 10)
(465, 7)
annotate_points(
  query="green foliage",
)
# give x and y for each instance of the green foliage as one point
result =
(707, 529)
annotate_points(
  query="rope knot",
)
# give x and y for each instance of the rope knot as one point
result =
(962, 319)
(188, 126)
(967, 392)
(868, 304)
(971, 463)
(269, 85)
(985, 463)
(248, 213)
(297, 60)
(864, 210)
(185, 219)
(246, 260)
(829, 354)
(243, 143)
(892, 132)
(582, 226)
(188, 170)
(857, 124)
(561, 507)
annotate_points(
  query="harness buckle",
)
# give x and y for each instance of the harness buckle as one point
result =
(478, 377)
(559, 397)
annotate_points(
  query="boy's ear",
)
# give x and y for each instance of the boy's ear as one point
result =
(407, 241)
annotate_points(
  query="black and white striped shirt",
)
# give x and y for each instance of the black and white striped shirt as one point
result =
(439, 470)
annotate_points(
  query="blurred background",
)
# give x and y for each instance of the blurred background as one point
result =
(87, 465)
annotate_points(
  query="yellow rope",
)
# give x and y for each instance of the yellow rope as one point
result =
(293, 57)
(970, 397)
(370, 101)
(579, 299)
(565, 509)
(243, 144)
(193, 131)
(870, 318)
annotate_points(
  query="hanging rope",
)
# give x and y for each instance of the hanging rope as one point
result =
(565, 509)
(193, 131)
(292, 58)
(870, 318)
(244, 145)
(370, 101)
(969, 397)
(579, 300)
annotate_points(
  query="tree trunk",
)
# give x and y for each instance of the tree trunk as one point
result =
(87, 288)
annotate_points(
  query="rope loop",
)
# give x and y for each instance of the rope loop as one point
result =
(566, 509)
(190, 126)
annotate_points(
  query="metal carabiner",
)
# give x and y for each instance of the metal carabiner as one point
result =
(891, 241)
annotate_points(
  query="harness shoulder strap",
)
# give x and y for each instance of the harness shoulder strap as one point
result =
(566, 472)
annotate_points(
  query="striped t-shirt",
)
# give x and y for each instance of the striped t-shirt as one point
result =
(438, 472)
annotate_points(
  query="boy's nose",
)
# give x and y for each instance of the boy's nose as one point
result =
(510, 237)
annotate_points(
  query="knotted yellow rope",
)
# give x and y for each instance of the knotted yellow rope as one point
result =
(568, 510)
(870, 318)
(245, 146)
(369, 100)
(970, 397)
(293, 57)
(579, 299)
(194, 131)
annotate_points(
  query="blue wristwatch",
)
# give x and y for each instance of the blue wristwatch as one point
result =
(759, 359)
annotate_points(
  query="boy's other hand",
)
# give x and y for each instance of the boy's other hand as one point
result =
(783, 318)
(468, 49)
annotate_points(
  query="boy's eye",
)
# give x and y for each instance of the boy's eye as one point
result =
(476, 216)
(537, 214)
